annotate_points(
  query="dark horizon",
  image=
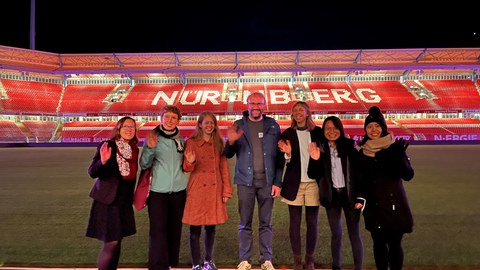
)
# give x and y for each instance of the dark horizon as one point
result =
(107, 27)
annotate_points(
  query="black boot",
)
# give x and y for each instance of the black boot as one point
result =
(309, 262)
(297, 262)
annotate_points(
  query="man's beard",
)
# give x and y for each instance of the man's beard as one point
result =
(256, 117)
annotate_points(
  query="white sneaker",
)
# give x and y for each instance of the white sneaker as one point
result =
(244, 265)
(267, 265)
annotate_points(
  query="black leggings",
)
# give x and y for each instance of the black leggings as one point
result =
(195, 232)
(311, 217)
(387, 249)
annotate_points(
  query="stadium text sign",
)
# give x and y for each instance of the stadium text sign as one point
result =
(456, 137)
(274, 96)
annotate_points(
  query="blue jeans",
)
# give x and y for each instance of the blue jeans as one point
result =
(246, 207)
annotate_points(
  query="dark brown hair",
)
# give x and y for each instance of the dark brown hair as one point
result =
(116, 130)
(171, 108)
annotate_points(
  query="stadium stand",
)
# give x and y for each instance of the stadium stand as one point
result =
(85, 99)
(31, 98)
(454, 94)
(335, 97)
(42, 131)
(206, 96)
(9, 132)
(145, 99)
(434, 128)
(280, 98)
(245, 89)
(323, 97)
(425, 94)
(87, 131)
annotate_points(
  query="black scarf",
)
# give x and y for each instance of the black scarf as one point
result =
(171, 134)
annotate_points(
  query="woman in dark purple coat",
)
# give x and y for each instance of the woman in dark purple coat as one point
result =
(384, 166)
(114, 167)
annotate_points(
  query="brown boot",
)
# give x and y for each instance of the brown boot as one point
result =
(309, 262)
(297, 262)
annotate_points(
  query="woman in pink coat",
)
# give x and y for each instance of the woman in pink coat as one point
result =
(208, 187)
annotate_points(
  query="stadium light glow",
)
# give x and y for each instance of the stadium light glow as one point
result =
(232, 94)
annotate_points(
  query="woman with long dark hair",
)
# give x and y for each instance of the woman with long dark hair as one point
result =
(335, 167)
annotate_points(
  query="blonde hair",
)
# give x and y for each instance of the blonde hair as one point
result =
(310, 124)
(217, 137)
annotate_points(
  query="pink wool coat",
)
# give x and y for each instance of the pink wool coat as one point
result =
(208, 183)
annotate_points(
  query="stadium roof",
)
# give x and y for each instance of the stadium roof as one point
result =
(233, 64)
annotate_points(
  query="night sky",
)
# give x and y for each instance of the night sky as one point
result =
(105, 26)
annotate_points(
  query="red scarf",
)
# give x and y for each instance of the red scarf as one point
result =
(127, 159)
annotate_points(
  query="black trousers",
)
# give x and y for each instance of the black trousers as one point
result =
(387, 249)
(352, 219)
(165, 211)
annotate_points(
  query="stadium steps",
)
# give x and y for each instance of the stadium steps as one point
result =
(59, 104)
(407, 130)
(476, 86)
(109, 98)
(107, 107)
(57, 133)
(25, 130)
(3, 95)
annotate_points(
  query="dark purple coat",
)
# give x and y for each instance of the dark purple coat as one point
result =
(107, 177)
(382, 179)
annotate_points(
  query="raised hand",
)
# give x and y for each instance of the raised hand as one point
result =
(285, 147)
(403, 143)
(314, 150)
(152, 140)
(105, 152)
(234, 133)
(400, 145)
(190, 156)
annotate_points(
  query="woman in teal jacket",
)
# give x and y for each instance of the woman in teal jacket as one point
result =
(163, 150)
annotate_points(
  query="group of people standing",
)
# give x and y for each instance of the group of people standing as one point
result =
(306, 165)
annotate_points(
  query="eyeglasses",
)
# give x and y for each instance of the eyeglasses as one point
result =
(128, 127)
